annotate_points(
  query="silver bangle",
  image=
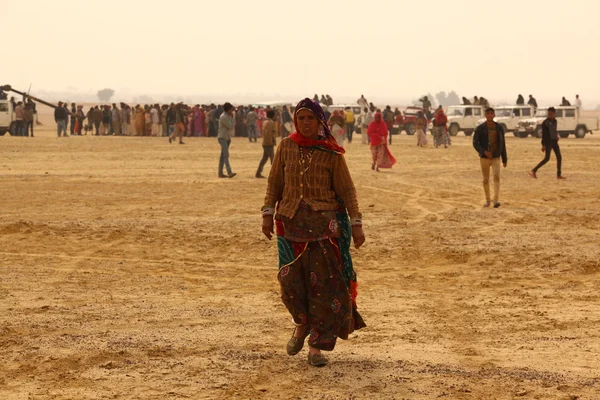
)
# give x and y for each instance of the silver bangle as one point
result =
(356, 222)
(268, 211)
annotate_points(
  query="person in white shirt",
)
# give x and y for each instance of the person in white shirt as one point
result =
(578, 105)
(155, 121)
(362, 101)
(365, 119)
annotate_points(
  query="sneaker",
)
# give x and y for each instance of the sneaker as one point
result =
(561, 178)
(496, 204)
(223, 176)
(533, 174)
(260, 176)
(232, 175)
(181, 143)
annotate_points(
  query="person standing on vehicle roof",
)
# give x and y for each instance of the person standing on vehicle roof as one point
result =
(550, 140)
(532, 102)
(578, 105)
(466, 102)
(426, 105)
(362, 101)
(564, 102)
(520, 100)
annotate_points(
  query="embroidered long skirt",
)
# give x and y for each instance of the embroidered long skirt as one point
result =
(315, 293)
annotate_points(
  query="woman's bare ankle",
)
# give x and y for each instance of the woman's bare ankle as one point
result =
(300, 331)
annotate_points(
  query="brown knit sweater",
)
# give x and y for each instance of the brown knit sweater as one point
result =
(327, 176)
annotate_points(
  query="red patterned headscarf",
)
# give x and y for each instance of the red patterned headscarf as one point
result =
(326, 141)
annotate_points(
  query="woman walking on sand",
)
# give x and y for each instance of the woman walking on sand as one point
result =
(440, 121)
(198, 121)
(378, 134)
(313, 198)
(421, 125)
(337, 126)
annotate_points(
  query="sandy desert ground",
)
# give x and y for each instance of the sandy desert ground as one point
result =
(129, 271)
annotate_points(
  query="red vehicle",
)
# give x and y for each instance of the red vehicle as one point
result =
(406, 122)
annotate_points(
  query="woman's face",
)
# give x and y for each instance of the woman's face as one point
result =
(378, 117)
(308, 124)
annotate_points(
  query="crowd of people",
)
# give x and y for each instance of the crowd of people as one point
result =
(25, 118)
(173, 120)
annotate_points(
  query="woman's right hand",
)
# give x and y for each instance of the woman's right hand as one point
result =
(268, 226)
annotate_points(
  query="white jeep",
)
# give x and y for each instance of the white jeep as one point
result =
(568, 123)
(6, 116)
(464, 118)
(510, 117)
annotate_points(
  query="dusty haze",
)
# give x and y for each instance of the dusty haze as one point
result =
(384, 49)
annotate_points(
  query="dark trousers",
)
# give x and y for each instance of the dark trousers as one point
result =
(549, 148)
(268, 154)
(20, 128)
(29, 127)
(212, 128)
(349, 131)
(97, 126)
(72, 126)
(252, 133)
(224, 159)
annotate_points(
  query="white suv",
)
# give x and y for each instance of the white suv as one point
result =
(568, 123)
(510, 117)
(6, 116)
(464, 118)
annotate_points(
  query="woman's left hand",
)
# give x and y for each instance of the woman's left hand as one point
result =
(358, 235)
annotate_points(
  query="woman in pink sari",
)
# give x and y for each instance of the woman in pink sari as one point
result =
(378, 133)
(198, 115)
(262, 116)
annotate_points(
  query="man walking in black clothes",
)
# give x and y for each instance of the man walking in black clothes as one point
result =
(491, 147)
(73, 118)
(550, 140)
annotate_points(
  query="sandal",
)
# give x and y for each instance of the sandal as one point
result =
(317, 360)
(294, 345)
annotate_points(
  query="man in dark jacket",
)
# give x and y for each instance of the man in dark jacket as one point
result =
(550, 140)
(60, 116)
(73, 118)
(491, 147)
(532, 102)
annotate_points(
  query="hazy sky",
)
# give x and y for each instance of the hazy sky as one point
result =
(382, 48)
